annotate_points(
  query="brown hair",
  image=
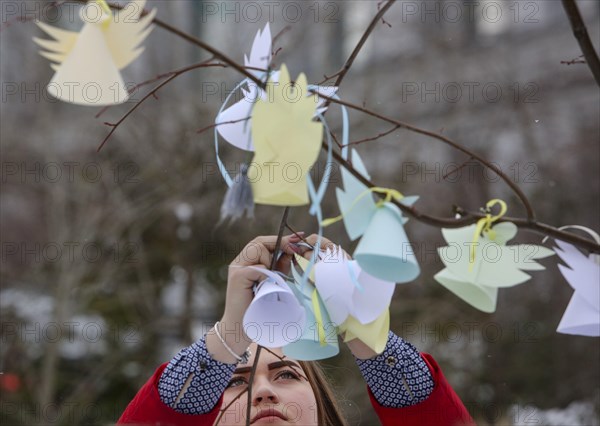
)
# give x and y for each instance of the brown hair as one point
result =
(328, 410)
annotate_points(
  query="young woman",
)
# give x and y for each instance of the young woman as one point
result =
(202, 384)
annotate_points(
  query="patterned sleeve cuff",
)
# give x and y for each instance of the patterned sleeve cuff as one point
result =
(398, 377)
(209, 380)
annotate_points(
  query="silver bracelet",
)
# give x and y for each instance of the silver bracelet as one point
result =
(243, 358)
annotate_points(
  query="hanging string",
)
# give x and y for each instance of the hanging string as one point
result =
(484, 225)
(389, 195)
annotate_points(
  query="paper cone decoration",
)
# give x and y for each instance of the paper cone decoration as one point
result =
(374, 334)
(495, 264)
(310, 347)
(356, 301)
(347, 290)
(234, 122)
(384, 251)
(358, 207)
(286, 141)
(479, 296)
(275, 316)
(582, 316)
(87, 63)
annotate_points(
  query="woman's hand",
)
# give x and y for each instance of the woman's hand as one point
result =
(325, 244)
(240, 280)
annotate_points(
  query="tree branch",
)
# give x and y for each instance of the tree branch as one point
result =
(581, 35)
(509, 182)
(468, 218)
(344, 70)
(172, 75)
(190, 38)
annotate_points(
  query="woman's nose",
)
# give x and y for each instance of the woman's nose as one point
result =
(263, 391)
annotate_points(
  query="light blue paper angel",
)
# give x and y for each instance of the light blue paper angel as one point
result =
(475, 270)
(384, 250)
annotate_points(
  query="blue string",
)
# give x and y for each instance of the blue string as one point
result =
(222, 169)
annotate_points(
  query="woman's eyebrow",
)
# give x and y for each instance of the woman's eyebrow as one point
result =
(283, 363)
(272, 366)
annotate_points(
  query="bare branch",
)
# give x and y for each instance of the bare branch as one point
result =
(344, 70)
(172, 76)
(194, 40)
(581, 34)
(374, 138)
(212, 126)
(515, 188)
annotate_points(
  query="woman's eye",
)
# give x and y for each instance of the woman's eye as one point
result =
(236, 381)
(288, 374)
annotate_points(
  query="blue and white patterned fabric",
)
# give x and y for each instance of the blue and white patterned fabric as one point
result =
(400, 363)
(210, 378)
(398, 377)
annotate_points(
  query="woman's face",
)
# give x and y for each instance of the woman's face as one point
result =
(281, 394)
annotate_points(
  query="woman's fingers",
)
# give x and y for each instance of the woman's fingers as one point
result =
(312, 240)
(260, 250)
(325, 244)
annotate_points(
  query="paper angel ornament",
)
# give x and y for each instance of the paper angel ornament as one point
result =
(384, 250)
(233, 123)
(374, 334)
(357, 204)
(260, 55)
(286, 140)
(347, 290)
(582, 316)
(475, 270)
(319, 336)
(87, 63)
(355, 301)
(273, 311)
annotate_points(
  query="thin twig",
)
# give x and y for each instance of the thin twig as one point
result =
(190, 38)
(202, 130)
(491, 166)
(224, 409)
(374, 138)
(144, 83)
(344, 70)
(259, 348)
(152, 93)
(335, 139)
(280, 33)
(574, 61)
(468, 218)
(458, 168)
(581, 35)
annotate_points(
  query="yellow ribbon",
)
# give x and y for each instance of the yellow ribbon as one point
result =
(484, 225)
(389, 195)
(104, 6)
(318, 317)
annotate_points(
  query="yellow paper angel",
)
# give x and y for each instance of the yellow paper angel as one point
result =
(286, 142)
(87, 63)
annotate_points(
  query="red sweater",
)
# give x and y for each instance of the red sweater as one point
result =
(442, 408)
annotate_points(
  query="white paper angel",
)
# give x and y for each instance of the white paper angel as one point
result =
(582, 315)
(87, 63)
(233, 123)
(346, 289)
